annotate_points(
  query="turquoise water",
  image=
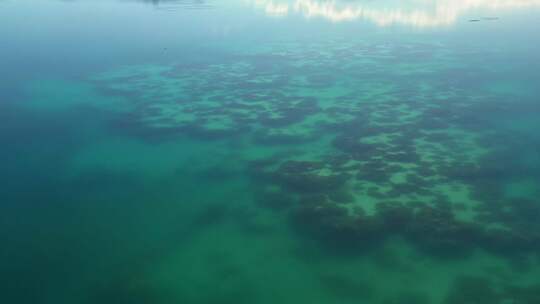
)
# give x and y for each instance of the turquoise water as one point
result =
(259, 151)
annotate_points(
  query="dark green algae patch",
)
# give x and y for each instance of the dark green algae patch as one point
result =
(355, 150)
(342, 144)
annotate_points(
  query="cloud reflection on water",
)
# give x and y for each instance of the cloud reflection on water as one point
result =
(420, 13)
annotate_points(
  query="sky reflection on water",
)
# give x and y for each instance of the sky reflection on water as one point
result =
(428, 13)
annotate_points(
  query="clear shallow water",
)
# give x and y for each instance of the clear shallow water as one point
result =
(270, 151)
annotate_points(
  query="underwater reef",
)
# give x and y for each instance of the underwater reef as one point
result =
(344, 146)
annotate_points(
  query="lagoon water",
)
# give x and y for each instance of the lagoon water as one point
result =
(270, 151)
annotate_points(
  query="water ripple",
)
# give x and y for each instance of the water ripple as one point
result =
(174, 5)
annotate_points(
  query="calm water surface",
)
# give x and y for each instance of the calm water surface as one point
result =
(270, 151)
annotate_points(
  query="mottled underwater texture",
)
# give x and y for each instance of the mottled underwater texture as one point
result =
(379, 167)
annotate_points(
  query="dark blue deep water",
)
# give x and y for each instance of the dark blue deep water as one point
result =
(270, 151)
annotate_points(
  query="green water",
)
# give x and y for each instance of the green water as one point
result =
(306, 151)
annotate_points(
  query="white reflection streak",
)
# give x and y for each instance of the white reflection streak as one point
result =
(273, 9)
(443, 13)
